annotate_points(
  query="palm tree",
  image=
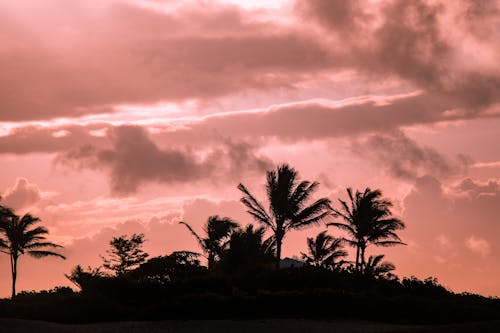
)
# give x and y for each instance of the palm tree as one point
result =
(287, 204)
(367, 219)
(248, 250)
(21, 236)
(324, 250)
(377, 268)
(217, 230)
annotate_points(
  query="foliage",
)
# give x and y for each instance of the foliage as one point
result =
(324, 251)
(20, 235)
(367, 219)
(218, 231)
(169, 269)
(377, 268)
(83, 277)
(125, 254)
(288, 207)
(248, 251)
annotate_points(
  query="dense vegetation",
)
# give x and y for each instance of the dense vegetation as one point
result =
(245, 276)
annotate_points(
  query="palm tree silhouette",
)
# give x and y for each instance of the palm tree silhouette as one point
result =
(377, 268)
(367, 219)
(217, 230)
(21, 236)
(248, 250)
(324, 250)
(287, 204)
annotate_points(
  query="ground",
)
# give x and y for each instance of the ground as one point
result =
(220, 326)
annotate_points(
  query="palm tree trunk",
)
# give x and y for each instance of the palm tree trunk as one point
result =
(211, 260)
(357, 257)
(278, 251)
(13, 263)
(363, 263)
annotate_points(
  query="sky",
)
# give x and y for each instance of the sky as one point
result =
(121, 117)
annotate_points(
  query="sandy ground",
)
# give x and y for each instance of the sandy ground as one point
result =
(254, 326)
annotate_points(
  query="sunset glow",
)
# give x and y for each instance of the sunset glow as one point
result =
(121, 117)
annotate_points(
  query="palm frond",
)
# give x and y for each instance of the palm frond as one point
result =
(41, 254)
(42, 244)
(198, 238)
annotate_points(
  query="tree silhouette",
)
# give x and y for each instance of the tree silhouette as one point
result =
(218, 231)
(367, 219)
(125, 254)
(169, 269)
(323, 251)
(248, 250)
(21, 236)
(287, 204)
(82, 278)
(377, 268)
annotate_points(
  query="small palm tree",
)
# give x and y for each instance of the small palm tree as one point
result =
(21, 236)
(324, 251)
(287, 204)
(218, 231)
(248, 250)
(377, 268)
(367, 219)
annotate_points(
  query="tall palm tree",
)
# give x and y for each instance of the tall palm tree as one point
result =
(287, 204)
(218, 231)
(324, 250)
(368, 220)
(21, 236)
(377, 268)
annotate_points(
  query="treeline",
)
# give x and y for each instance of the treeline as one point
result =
(245, 276)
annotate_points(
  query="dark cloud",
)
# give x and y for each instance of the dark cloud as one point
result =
(317, 120)
(415, 41)
(406, 159)
(135, 159)
(288, 122)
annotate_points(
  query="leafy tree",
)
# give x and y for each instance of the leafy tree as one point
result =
(367, 219)
(379, 269)
(248, 250)
(324, 251)
(125, 254)
(20, 235)
(287, 204)
(175, 267)
(82, 278)
(218, 231)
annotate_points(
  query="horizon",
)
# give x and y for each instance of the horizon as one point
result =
(128, 116)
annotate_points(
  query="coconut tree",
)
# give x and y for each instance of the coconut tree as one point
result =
(377, 268)
(248, 250)
(367, 218)
(21, 235)
(324, 250)
(218, 231)
(288, 209)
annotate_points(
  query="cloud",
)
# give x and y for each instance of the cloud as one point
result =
(68, 60)
(22, 195)
(478, 245)
(135, 159)
(406, 159)
(38, 139)
(316, 119)
(116, 53)
(429, 45)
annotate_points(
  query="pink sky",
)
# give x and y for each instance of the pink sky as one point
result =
(129, 116)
